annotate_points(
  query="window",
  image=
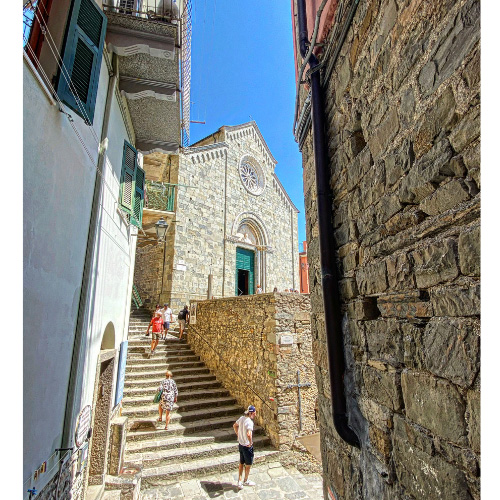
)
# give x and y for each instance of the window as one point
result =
(132, 185)
(252, 176)
(82, 54)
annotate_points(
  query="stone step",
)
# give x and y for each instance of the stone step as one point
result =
(159, 476)
(160, 349)
(154, 431)
(112, 495)
(183, 396)
(185, 416)
(138, 359)
(159, 372)
(183, 388)
(182, 455)
(151, 409)
(186, 441)
(155, 382)
(145, 364)
(146, 339)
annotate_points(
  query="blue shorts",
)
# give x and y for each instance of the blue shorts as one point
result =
(166, 325)
(246, 454)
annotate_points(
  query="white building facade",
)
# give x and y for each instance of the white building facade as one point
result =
(83, 202)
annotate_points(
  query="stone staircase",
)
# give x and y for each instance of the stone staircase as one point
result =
(200, 439)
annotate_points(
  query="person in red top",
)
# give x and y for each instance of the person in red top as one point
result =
(157, 323)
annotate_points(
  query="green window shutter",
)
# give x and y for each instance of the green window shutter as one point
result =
(82, 54)
(127, 181)
(136, 215)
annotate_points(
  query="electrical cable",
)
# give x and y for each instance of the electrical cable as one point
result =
(72, 123)
(65, 72)
(55, 465)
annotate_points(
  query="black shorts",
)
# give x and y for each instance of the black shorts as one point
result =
(246, 454)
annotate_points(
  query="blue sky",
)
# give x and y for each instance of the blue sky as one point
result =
(242, 69)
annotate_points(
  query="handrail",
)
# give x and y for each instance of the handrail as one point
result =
(136, 296)
(237, 373)
(153, 10)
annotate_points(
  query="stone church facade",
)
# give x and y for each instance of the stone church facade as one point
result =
(233, 220)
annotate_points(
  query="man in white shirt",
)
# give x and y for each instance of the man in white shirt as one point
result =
(243, 427)
(166, 315)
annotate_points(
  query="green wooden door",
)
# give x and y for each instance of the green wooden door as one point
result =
(245, 261)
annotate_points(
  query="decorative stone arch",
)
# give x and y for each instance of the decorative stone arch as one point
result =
(252, 220)
(249, 231)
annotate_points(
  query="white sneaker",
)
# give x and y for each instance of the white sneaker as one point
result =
(240, 485)
(249, 483)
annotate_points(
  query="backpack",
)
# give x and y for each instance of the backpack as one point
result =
(182, 314)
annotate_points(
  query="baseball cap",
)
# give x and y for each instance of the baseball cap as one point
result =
(251, 409)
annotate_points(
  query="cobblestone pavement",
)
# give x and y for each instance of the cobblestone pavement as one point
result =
(272, 481)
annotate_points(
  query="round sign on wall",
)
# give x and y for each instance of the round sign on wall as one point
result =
(83, 425)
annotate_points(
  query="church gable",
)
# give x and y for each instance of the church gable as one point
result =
(249, 134)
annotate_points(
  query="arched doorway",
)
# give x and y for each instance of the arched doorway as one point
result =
(102, 405)
(252, 245)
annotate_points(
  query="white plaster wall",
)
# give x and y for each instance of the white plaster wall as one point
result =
(113, 266)
(58, 182)
(58, 188)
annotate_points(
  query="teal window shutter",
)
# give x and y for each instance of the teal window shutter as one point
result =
(127, 181)
(136, 215)
(82, 55)
(132, 185)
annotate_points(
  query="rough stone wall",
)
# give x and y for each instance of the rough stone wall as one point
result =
(66, 483)
(402, 114)
(243, 336)
(148, 272)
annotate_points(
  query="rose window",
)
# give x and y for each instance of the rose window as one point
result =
(252, 177)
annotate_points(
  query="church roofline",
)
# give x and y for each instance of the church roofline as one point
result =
(197, 149)
(275, 177)
(254, 124)
(231, 128)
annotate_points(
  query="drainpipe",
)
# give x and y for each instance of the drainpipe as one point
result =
(331, 298)
(77, 362)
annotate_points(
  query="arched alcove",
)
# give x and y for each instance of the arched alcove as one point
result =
(250, 235)
(108, 338)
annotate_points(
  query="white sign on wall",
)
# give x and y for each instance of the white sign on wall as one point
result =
(192, 313)
(286, 339)
(83, 425)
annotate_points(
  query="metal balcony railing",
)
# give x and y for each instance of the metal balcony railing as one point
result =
(157, 10)
(159, 196)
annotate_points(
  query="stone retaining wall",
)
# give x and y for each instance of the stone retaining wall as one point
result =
(247, 334)
(402, 118)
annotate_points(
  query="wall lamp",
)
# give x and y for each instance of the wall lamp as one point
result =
(161, 229)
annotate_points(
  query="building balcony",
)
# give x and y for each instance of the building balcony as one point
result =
(147, 37)
(159, 202)
(159, 196)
